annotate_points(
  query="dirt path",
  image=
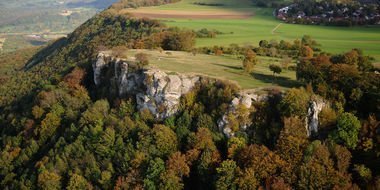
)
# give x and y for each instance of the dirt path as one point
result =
(275, 28)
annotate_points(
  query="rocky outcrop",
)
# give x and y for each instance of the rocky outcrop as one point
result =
(160, 93)
(154, 90)
(245, 99)
(312, 120)
(98, 66)
(163, 92)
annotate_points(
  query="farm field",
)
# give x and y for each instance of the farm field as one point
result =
(259, 25)
(221, 67)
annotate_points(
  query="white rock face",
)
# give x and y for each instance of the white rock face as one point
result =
(163, 92)
(121, 71)
(246, 99)
(312, 120)
(154, 90)
(98, 66)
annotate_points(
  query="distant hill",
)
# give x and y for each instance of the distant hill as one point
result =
(99, 4)
(44, 19)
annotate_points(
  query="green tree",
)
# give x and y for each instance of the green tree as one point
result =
(226, 175)
(155, 169)
(347, 131)
(179, 40)
(323, 168)
(364, 173)
(235, 145)
(48, 126)
(78, 182)
(170, 181)
(318, 168)
(95, 114)
(308, 41)
(165, 140)
(275, 69)
(295, 103)
(105, 143)
(264, 43)
(49, 180)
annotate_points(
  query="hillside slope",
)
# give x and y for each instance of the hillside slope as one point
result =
(80, 116)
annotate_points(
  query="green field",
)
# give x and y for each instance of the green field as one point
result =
(221, 67)
(262, 24)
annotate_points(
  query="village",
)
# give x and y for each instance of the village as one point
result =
(330, 14)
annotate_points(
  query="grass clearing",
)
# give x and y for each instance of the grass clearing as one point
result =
(221, 67)
(262, 24)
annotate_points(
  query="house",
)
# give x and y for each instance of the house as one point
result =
(284, 10)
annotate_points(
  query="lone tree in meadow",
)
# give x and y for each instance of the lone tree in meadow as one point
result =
(249, 61)
(275, 69)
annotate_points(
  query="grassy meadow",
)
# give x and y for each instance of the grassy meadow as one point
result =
(262, 25)
(221, 67)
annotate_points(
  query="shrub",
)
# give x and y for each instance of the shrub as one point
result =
(142, 60)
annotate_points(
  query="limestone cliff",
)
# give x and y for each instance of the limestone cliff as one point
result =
(160, 93)
(245, 99)
(312, 119)
(154, 89)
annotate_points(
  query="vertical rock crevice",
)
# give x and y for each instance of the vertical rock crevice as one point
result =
(312, 119)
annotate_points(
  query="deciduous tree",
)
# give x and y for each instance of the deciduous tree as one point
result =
(249, 61)
(347, 131)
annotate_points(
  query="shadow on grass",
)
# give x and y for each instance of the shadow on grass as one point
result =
(278, 80)
(228, 66)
